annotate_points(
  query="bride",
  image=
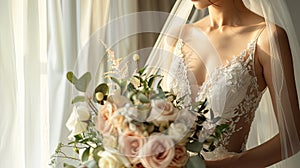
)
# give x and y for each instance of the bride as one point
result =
(240, 57)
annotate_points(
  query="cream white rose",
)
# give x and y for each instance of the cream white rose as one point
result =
(111, 160)
(118, 99)
(132, 113)
(177, 131)
(77, 122)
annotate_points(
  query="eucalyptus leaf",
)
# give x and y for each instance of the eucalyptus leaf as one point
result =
(115, 80)
(216, 119)
(196, 162)
(203, 106)
(212, 115)
(150, 81)
(85, 154)
(222, 127)
(96, 151)
(130, 87)
(194, 146)
(91, 164)
(82, 83)
(142, 70)
(68, 166)
(78, 137)
(123, 85)
(78, 99)
(158, 84)
(212, 147)
(71, 77)
(143, 98)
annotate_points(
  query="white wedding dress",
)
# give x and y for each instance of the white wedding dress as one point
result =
(231, 90)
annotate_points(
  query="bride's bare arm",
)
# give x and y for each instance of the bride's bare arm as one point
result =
(269, 152)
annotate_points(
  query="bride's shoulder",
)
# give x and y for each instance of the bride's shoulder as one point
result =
(272, 31)
(276, 35)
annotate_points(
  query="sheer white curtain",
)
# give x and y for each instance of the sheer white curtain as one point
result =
(23, 57)
(39, 42)
(70, 26)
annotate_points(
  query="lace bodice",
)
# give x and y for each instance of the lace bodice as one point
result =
(232, 92)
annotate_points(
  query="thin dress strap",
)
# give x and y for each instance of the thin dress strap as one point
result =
(259, 32)
(251, 50)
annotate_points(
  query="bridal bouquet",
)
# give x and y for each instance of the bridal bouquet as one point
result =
(133, 122)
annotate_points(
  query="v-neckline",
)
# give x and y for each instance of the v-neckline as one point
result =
(233, 56)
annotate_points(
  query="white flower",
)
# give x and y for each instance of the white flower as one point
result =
(177, 130)
(110, 160)
(110, 141)
(118, 99)
(136, 57)
(132, 113)
(77, 122)
(207, 130)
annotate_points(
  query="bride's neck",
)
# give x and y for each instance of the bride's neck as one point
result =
(226, 13)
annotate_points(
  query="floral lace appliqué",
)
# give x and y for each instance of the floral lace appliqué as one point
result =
(236, 84)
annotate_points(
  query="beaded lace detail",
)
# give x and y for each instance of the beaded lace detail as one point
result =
(178, 81)
(234, 83)
(241, 95)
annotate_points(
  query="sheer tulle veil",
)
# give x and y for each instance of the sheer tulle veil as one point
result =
(265, 125)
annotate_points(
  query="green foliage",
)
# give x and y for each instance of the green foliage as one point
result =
(194, 146)
(78, 99)
(81, 83)
(196, 162)
(143, 98)
(68, 166)
(96, 151)
(142, 70)
(140, 89)
(90, 164)
(85, 154)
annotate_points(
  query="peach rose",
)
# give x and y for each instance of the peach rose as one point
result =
(118, 120)
(180, 157)
(107, 110)
(102, 122)
(162, 110)
(157, 152)
(130, 144)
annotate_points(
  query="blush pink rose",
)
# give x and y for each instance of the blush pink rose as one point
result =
(130, 144)
(180, 157)
(162, 111)
(157, 152)
(102, 122)
(107, 110)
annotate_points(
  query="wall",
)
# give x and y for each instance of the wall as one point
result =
(294, 5)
